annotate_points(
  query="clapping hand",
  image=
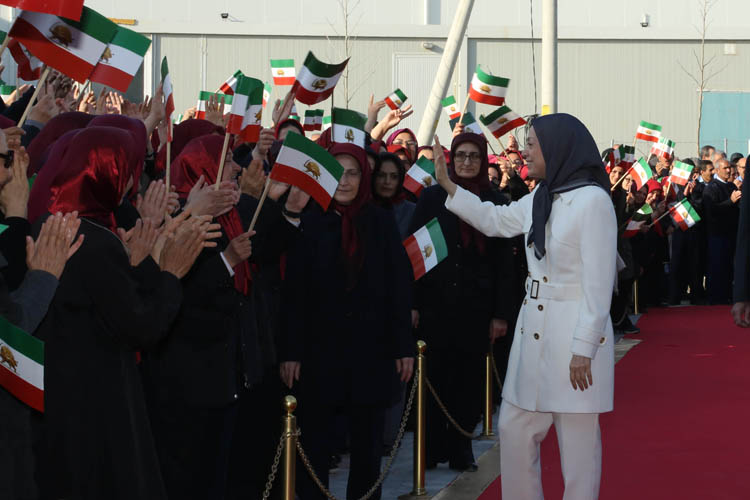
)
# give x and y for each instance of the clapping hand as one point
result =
(203, 199)
(55, 244)
(215, 110)
(154, 204)
(140, 240)
(184, 241)
(265, 141)
(14, 196)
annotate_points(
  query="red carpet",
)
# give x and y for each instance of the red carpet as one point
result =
(682, 409)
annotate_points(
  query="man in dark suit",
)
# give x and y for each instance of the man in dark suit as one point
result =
(721, 198)
(741, 309)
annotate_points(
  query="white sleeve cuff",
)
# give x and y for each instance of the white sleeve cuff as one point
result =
(226, 263)
(583, 348)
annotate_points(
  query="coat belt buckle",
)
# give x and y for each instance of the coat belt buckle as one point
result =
(534, 292)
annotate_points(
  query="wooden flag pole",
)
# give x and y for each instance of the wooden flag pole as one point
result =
(463, 111)
(505, 150)
(39, 86)
(4, 45)
(260, 204)
(222, 160)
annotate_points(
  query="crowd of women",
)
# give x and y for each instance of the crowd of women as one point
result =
(172, 332)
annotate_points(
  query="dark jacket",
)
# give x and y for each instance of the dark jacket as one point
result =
(13, 248)
(347, 341)
(742, 255)
(457, 299)
(96, 438)
(722, 214)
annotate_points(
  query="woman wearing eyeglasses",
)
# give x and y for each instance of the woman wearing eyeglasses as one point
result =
(463, 304)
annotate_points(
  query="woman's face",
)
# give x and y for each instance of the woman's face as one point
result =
(231, 169)
(386, 180)
(427, 153)
(534, 157)
(614, 175)
(627, 182)
(468, 160)
(283, 131)
(405, 139)
(349, 183)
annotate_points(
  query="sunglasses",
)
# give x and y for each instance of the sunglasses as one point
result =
(8, 158)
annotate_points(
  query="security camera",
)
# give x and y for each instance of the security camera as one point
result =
(225, 15)
(644, 21)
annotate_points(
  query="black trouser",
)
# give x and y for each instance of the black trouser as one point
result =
(720, 266)
(317, 423)
(679, 271)
(458, 379)
(697, 268)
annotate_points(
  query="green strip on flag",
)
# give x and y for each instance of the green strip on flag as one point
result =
(321, 69)
(436, 234)
(497, 81)
(282, 63)
(93, 24)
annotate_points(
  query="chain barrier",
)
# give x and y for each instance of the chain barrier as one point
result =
(388, 463)
(448, 415)
(275, 465)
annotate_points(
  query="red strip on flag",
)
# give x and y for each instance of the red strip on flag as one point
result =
(69, 9)
(290, 175)
(111, 77)
(21, 389)
(415, 256)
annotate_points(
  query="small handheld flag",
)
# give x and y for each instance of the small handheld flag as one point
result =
(450, 107)
(648, 131)
(316, 80)
(502, 121)
(664, 148)
(680, 173)
(313, 119)
(22, 365)
(488, 89)
(348, 127)
(283, 71)
(420, 176)
(470, 124)
(230, 85)
(426, 248)
(641, 173)
(684, 214)
(396, 99)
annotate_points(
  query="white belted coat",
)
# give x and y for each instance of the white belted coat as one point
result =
(568, 295)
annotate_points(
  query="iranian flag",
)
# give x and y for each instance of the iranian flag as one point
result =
(29, 67)
(641, 173)
(450, 107)
(246, 111)
(420, 176)
(664, 148)
(426, 248)
(230, 85)
(166, 86)
(293, 114)
(612, 159)
(470, 124)
(313, 119)
(648, 131)
(396, 99)
(283, 71)
(121, 59)
(266, 94)
(326, 122)
(22, 365)
(70, 9)
(316, 80)
(637, 221)
(680, 173)
(501, 121)
(684, 214)
(72, 47)
(627, 156)
(311, 168)
(203, 98)
(488, 89)
(6, 90)
(348, 127)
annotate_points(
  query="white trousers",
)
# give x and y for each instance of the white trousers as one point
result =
(580, 440)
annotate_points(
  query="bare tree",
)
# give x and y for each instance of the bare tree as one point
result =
(703, 74)
(348, 9)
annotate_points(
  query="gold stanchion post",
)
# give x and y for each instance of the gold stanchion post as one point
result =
(487, 432)
(420, 458)
(636, 309)
(290, 448)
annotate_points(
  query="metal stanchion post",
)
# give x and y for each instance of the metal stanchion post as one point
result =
(487, 432)
(420, 458)
(290, 447)
(636, 309)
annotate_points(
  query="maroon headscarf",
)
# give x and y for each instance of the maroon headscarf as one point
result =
(39, 198)
(289, 121)
(6, 122)
(182, 134)
(393, 136)
(396, 148)
(42, 145)
(476, 185)
(201, 156)
(138, 133)
(97, 171)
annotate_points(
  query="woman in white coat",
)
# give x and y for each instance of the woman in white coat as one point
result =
(561, 367)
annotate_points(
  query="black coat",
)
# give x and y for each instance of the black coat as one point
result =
(96, 438)
(347, 341)
(13, 248)
(458, 298)
(742, 255)
(722, 214)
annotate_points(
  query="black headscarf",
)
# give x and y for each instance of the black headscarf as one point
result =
(572, 160)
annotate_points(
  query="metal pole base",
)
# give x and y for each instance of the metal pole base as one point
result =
(415, 495)
(487, 437)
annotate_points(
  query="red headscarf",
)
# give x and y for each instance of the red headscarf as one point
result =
(137, 130)
(40, 148)
(96, 173)
(396, 148)
(477, 184)
(201, 156)
(182, 134)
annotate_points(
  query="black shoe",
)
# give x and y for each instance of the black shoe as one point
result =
(628, 327)
(462, 466)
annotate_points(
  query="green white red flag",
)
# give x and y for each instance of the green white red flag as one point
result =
(450, 107)
(230, 85)
(311, 168)
(6, 90)
(22, 365)
(72, 47)
(121, 60)
(641, 173)
(684, 215)
(246, 111)
(70, 9)
(488, 89)
(680, 173)
(326, 122)
(313, 119)
(648, 131)
(636, 222)
(348, 127)
(664, 148)
(282, 71)
(168, 91)
(627, 156)
(316, 80)
(501, 121)
(203, 98)
(426, 248)
(611, 159)
(266, 94)
(420, 176)
(470, 124)
(29, 67)
(396, 99)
